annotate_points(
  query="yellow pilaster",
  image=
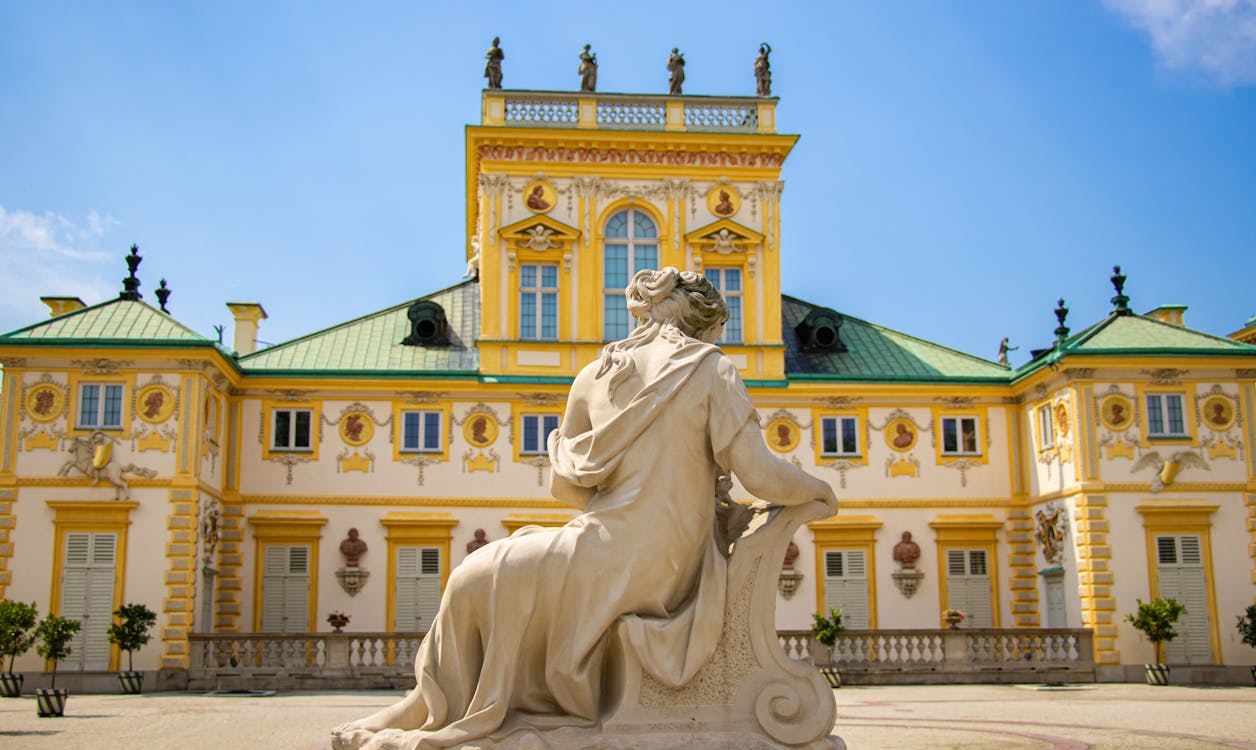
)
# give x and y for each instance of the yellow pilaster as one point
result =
(180, 600)
(1094, 573)
(8, 496)
(1251, 530)
(1020, 537)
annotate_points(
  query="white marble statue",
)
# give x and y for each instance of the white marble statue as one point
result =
(630, 627)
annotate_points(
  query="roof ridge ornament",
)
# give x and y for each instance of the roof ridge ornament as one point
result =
(1120, 303)
(131, 284)
(163, 294)
(1061, 331)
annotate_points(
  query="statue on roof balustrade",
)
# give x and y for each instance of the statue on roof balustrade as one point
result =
(763, 71)
(588, 70)
(676, 66)
(493, 68)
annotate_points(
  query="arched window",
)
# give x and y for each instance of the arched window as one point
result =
(631, 243)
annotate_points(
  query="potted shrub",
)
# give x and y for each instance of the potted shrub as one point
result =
(129, 633)
(953, 617)
(338, 620)
(1247, 629)
(17, 625)
(52, 641)
(1155, 620)
(826, 630)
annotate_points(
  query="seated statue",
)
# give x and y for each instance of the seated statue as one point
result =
(646, 621)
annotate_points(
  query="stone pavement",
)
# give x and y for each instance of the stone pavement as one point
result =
(972, 717)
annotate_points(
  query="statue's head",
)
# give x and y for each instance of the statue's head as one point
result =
(685, 299)
(353, 533)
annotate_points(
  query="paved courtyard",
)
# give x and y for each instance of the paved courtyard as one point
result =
(981, 717)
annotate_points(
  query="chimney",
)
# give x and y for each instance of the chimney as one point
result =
(62, 305)
(1169, 314)
(247, 317)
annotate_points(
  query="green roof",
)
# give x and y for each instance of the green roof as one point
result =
(116, 322)
(1124, 333)
(372, 343)
(875, 352)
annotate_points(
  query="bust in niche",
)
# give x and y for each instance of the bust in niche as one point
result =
(907, 552)
(352, 547)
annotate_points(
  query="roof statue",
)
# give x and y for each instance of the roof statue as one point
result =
(675, 66)
(493, 68)
(554, 636)
(588, 70)
(763, 71)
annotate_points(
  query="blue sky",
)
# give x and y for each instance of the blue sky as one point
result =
(962, 164)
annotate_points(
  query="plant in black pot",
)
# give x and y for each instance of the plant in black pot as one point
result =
(1247, 630)
(129, 633)
(826, 630)
(52, 641)
(1155, 620)
(17, 633)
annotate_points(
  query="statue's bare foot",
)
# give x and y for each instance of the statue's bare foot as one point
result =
(392, 717)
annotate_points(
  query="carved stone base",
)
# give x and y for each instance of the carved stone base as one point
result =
(352, 579)
(907, 583)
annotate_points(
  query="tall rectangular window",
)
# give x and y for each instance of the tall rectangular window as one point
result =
(286, 589)
(538, 301)
(1046, 428)
(420, 431)
(1180, 575)
(839, 436)
(728, 282)
(1164, 415)
(87, 582)
(536, 429)
(968, 586)
(290, 429)
(418, 588)
(100, 406)
(846, 586)
(959, 436)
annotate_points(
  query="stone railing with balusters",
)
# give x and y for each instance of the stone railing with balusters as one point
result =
(296, 661)
(587, 110)
(880, 657)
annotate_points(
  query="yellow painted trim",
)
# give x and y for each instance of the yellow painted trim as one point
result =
(1183, 517)
(77, 380)
(842, 533)
(285, 527)
(268, 407)
(10, 408)
(968, 532)
(108, 517)
(982, 415)
(518, 410)
(444, 407)
(1142, 390)
(515, 521)
(411, 529)
(699, 237)
(860, 413)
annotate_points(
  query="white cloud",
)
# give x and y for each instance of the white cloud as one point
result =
(49, 255)
(1215, 36)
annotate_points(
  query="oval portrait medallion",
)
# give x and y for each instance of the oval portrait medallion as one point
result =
(901, 434)
(154, 403)
(1218, 413)
(45, 402)
(1061, 419)
(357, 428)
(480, 430)
(723, 200)
(1116, 412)
(782, 434)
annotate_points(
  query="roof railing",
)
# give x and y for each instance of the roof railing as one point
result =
(586, 110)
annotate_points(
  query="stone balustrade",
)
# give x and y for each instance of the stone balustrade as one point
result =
(586, 110)
(309, 661)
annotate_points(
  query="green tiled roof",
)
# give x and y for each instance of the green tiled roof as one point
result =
(117, 321)
(372, 343)
(874, 352)
(1135, 332)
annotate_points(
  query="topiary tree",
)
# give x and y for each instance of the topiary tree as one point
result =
(17, 625)
(1246, 625)
(131, 633)
(1155, 620)
(53, 636)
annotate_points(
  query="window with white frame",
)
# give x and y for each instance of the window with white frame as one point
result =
(728, 282)
(100, 406)
(538, 301)
(536, 429)
(1046, 428)
(1165, 416)
(959, 436)
(630, 244)
(839, 436)
(290, 429)
(420, 431)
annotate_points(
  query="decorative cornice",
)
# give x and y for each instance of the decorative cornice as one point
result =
(402, 501)
(1165, 375)
(616, 156)
(101, 365)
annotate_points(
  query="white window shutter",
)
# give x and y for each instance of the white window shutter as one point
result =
(286, 589)
(418, 588)
(1181, 577)
(968, 586)
(87, 596)
(846, 586)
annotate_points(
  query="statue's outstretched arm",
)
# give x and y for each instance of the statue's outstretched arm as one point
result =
(770, 478)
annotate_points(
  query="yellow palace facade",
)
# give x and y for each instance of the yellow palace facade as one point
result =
(143, 462)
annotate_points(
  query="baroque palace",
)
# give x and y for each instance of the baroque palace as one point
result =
(349, 470)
